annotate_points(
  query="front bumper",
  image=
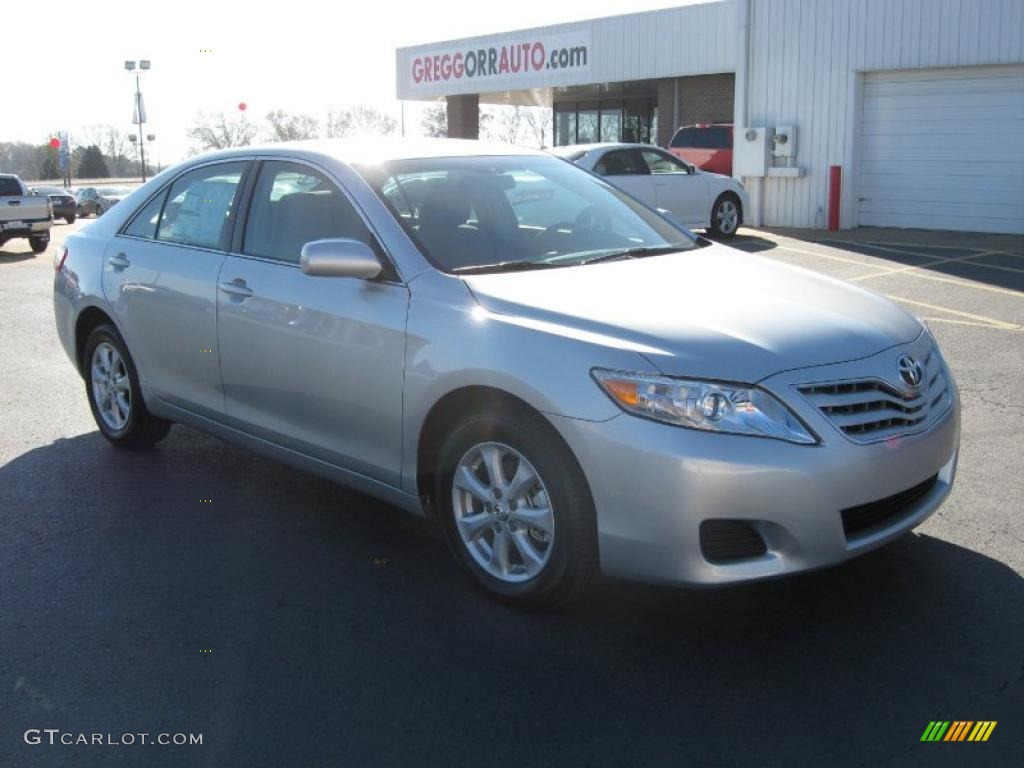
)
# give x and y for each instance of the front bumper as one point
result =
(654, 484)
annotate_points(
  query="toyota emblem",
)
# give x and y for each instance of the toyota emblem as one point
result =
(910, 371)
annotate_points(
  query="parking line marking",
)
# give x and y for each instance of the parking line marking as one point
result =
(910, 245)
(953, 281)
(990, 321)
(970, 323)
(829, 256)
(911, 267)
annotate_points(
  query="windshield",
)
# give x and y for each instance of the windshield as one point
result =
(472, 213)
(113, 191)
(49, 191)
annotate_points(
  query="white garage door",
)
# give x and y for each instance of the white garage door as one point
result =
(944, 149)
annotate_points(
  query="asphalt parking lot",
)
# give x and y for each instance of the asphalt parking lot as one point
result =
(295, 623)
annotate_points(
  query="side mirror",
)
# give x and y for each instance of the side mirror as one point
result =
(339, 257)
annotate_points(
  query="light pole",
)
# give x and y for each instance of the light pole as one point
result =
(140, 110)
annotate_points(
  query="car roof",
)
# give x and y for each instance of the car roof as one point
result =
(570, 148)
(375, 150)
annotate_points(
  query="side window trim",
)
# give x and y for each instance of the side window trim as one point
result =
(390, 273)
(166, 191)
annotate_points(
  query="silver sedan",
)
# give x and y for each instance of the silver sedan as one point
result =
(562, 377)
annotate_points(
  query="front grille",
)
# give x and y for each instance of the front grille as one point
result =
(874, 515)
(868, 410)
(723, 541)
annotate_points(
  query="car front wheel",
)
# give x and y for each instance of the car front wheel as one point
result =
(112, 386)
(70, 218)
(38, 244)
(516, 510)
(725, 216)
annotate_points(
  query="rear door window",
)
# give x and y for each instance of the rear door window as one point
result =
(200, 204)
(145, 221)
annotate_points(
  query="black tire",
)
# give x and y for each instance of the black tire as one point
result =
(70, 219)
(39, 244)
(79, 212)
(717, 229)
(573, 557)
(141, 429)
(99, 210)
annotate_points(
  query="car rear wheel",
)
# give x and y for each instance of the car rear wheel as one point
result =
(70, 219)
(112, 386)
(725, 216)
(99, 211)
(38, 244)
(515, 509)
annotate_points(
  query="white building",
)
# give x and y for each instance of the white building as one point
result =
(920, 102)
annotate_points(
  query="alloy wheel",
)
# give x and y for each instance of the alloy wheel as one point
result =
(111, 387)
(727, 217)
(503, 512)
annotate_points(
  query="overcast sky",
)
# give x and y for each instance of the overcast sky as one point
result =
(302, 56)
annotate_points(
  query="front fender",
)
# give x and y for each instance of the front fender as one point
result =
(452, 343)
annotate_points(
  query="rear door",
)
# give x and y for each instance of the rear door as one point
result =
(626, 170)
(160, 276)
(315, 364)
(677, 189)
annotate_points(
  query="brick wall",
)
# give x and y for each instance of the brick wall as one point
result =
(702, 99)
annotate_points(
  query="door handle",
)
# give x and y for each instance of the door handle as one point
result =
(120, 261)
(237, 288)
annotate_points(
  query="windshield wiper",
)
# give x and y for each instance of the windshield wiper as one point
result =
(504, 266)
(632, 253)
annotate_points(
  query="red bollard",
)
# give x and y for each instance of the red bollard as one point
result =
(835, 185)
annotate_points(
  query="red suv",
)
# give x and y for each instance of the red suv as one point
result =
(708, 146)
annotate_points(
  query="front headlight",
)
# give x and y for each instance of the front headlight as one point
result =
(713, 406)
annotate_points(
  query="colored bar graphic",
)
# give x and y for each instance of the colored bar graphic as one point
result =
(958, 730)
(935, 730)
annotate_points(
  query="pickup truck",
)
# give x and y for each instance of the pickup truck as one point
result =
(23, 214)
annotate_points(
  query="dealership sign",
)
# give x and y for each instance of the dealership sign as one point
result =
(508, 63)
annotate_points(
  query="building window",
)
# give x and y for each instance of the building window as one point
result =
(565, 126)
(611, 121)
(587, 124)
(630, 120)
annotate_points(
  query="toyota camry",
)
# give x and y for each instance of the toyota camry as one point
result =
(566, 380)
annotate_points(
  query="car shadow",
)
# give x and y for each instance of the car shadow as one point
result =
(8, 254)
(745, 240)
(200, 588)
(994, 259)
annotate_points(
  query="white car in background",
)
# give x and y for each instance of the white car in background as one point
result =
(698, 199)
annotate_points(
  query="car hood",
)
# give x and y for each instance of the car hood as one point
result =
(714, 312)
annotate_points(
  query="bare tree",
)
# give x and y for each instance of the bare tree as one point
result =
(537, 125)
(502, 123)
(285, 127)
(359, 119)
(434, 121)
(218, 131)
